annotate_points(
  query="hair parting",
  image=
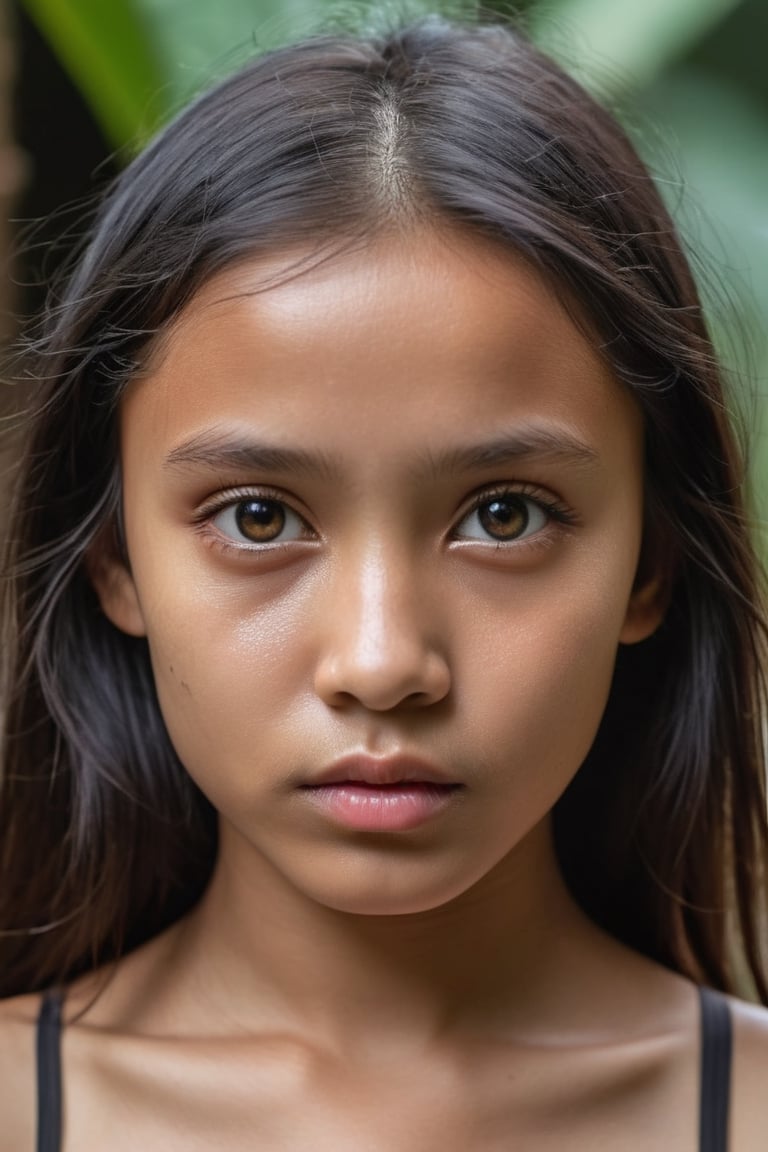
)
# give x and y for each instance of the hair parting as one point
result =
(104, 839)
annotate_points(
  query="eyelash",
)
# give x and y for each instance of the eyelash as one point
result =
(555, 510)
(204, 517)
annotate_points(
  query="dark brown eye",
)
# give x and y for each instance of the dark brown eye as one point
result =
(259, 520)
(503, 518)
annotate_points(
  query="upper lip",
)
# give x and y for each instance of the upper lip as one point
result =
(381, 770)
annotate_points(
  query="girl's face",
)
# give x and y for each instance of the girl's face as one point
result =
(390, 508)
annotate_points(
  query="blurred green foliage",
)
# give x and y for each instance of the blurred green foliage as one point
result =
(109, 51)
(688, 77)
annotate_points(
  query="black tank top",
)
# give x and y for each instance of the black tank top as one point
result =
(714, 1089)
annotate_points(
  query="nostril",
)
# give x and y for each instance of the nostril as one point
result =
(420, 699)
(418, 682)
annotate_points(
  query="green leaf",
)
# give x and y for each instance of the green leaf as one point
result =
(613, 45)
(204, 40)
(104, 46)
(711, 162)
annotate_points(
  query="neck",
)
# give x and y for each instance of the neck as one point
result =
(264, 953)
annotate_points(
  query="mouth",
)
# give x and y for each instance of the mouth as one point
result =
(383, 772)
(381, 795)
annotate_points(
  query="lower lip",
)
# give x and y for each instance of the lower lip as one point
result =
(381, 808)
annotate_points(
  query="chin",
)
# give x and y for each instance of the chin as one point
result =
(397, 897)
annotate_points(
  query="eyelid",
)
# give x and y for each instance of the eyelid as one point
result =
(210, 509)
(554, 508)
(227, 496)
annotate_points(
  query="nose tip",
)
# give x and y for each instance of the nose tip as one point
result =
(383, 680)
(382, 645)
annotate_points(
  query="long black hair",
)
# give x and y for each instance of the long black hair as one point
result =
(104, 839)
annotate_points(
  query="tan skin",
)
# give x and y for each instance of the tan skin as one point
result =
(430, 990)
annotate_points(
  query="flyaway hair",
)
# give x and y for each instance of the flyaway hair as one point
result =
(104, 839)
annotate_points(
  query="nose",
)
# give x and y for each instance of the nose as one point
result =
(379, 648)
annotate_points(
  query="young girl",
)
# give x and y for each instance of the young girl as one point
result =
(383, 758)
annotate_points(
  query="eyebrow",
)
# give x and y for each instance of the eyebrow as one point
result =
(218, 451)
(530, 442)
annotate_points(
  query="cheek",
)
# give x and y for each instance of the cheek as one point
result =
(564, 679)
(229, 672)
(537, 679)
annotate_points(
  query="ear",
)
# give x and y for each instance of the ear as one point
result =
(650, 596)
(110, 574)
(645, 611)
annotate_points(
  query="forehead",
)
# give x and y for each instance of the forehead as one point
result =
(433, 329)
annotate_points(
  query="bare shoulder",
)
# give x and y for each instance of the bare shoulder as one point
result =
(749, 1117)
(18, 1017)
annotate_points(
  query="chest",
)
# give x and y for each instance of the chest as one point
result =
(490, 1099)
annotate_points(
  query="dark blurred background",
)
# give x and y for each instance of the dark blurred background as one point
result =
(87, 81)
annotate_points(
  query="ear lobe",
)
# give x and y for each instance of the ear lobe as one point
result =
(645, 611)
(114, 585)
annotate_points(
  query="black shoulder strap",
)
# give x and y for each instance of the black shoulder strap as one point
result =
(49, 1073)
(716, 1053)
(715, 1090)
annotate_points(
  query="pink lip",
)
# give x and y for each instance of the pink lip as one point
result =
(360, 769)
(381, 795)
(381, 807)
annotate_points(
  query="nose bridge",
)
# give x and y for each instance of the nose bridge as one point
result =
(381, 645)
(382, 593)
